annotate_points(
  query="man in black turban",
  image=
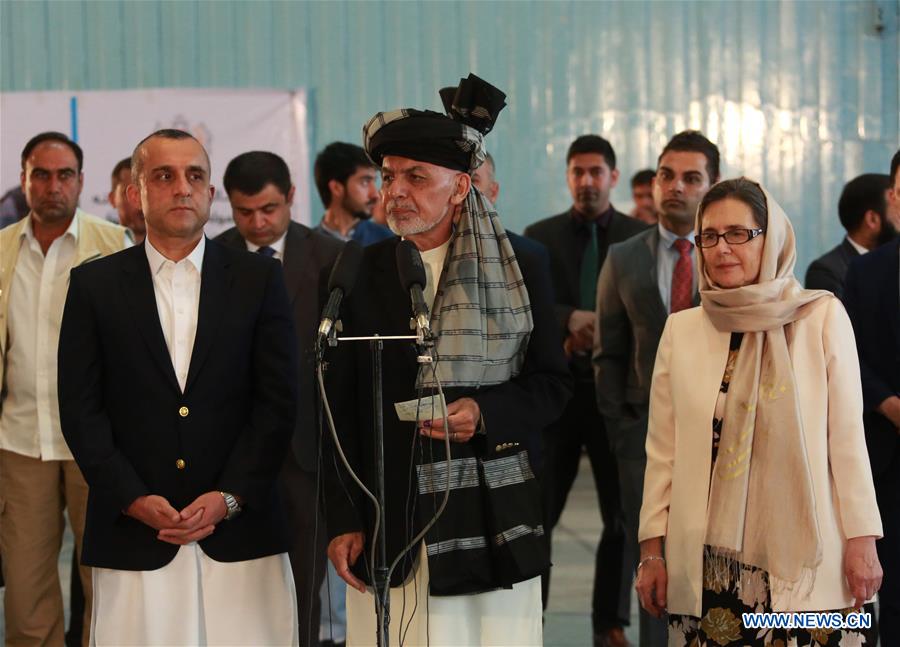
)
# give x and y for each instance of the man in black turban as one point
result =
(472, 576)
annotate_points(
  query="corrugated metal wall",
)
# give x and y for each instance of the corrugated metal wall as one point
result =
(803, 95)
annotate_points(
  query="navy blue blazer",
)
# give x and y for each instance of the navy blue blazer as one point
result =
(872, 299)
(133, 432)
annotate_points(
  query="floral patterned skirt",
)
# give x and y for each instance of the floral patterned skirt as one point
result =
(721, 623)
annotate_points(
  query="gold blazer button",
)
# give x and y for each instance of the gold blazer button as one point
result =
(183, 412)
(180, 463)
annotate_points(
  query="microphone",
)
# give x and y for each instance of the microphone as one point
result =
(412, 277)
(340, 283)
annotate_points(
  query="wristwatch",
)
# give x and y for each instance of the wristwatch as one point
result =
(233, 508)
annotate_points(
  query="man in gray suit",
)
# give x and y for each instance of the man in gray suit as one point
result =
(863, 211)
(259, 188)
(644, 279)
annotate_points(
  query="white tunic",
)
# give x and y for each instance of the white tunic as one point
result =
(506, 617)
(193, 600)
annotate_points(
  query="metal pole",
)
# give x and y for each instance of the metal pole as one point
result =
(381, 564)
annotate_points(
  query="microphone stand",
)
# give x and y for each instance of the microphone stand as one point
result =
(424, 343)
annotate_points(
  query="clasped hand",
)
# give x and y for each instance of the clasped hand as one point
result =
(197, 521)
(581, 332)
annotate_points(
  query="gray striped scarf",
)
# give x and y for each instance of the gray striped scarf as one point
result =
(481, 315)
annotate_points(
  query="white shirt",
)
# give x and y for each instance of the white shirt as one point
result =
(859, 248)
(177, 290)
(666, 258)
(278, 246)
(29, 424)
(433, 259)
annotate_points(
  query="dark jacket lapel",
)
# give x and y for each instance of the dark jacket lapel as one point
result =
(215, 281)
(298, 260)
(137, 285)
(646, 266)
(848, 251)
(567, 244)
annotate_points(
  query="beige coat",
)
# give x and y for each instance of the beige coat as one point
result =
(96, 238)
(686, 379)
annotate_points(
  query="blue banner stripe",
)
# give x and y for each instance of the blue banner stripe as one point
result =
(73, 110)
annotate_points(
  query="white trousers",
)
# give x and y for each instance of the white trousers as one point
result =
(507, 617)
(195, 600)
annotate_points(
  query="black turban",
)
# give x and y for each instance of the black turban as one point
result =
(455, 140)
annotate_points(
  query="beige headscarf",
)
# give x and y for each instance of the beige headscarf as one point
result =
(762, 508)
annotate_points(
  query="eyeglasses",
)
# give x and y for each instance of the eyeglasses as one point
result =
(732, 237)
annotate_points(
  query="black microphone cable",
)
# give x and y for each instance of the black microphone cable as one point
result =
(340, 451)
(421, 535)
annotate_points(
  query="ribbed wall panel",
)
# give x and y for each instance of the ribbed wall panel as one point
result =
(803, 95)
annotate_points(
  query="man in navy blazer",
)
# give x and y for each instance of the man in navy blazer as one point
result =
(872, 299)
(863, 211)
(181, 429)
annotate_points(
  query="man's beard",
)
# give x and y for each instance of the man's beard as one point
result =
(56, 214)
(409, 226)
(356, 210)
(416, 224)
(888, 232)
(677, 218)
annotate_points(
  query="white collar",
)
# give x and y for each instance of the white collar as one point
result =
(278, 245)
(436, 253)
(669, 237)
(157, 260)
(859, 248)
(71, 231)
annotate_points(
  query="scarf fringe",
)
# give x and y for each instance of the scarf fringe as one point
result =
(722, 566)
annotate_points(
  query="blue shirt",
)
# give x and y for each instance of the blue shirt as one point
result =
(365, 232)
(666, 258)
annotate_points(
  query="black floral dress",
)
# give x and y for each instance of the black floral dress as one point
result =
(722, 606)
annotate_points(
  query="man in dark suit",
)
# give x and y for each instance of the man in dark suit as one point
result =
(181, 431)
(643, 280)
(577, 241)
(872, 299)
(259, 188)
(863, 211)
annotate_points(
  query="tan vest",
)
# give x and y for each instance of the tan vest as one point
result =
(96, 238)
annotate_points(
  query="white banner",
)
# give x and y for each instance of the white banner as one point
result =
(108, 125)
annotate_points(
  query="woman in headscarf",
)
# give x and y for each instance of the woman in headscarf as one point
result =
(758, 494)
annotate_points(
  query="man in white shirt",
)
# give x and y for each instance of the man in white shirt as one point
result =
(864, 213)
(177, 390)
(38, 478)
